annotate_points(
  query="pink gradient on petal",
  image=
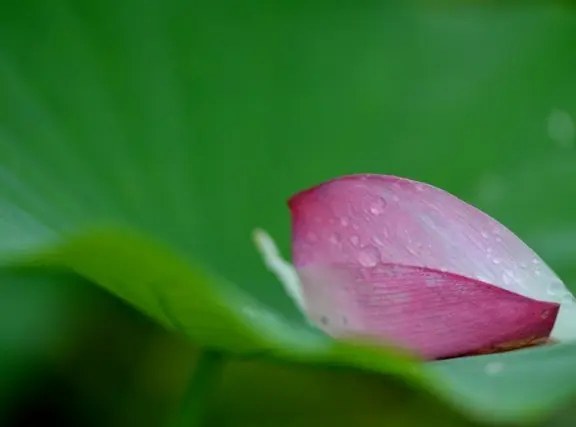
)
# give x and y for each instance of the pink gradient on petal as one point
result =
(401, 260)
(362, 219)
(435, 314)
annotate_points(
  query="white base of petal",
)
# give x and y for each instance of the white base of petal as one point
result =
(282, 269)
(565, 326)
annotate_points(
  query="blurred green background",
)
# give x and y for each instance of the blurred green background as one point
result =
(198, 119)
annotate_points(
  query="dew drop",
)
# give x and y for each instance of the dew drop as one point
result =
(335, 239)
(378, 206)
(493, 368)
(368, 257)
(344, 222)
(523, 265)
(508, 278)
(497, 261)
(355, 240)
(535, 261)
(555, 288)
(484, 234)
(312, 237)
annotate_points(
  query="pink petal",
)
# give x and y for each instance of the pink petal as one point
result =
(433, 313)
(385, 222)
(364, 219)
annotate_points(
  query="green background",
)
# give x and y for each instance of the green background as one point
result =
(196, 120)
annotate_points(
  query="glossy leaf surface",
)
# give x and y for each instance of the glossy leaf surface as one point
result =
(192, 122)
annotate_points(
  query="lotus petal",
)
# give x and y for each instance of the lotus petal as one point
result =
(367, 247)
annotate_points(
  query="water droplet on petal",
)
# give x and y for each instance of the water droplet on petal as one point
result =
(497, 261)
(535, 261)
(378, 206)
(508, 278)
(335, 239)
(556, 288)
(369, 256)
(523, 265)
(312, 237)
(484, 234)
(355, 240)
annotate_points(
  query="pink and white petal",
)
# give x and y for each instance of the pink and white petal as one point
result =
(368, 219)
(433, 313)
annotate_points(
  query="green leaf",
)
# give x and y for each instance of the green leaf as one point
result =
(517, 386)
(192, 122)
(274, 393)
(217, 316)
(35, 314)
